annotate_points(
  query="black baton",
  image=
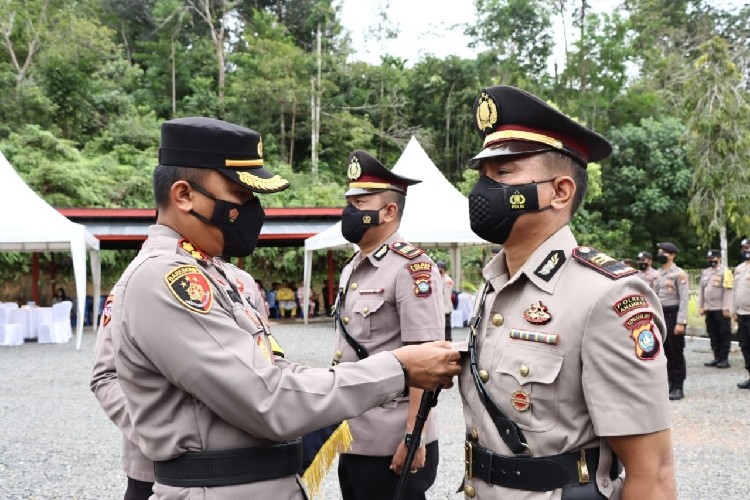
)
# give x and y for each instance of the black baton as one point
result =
(429, 399)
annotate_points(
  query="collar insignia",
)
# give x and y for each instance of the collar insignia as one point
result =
(551, 265)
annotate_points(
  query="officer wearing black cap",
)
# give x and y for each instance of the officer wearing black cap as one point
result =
(207, 392)
(715, 302)
(741, 306)
(390, 295)
(645, 271)
(672, 287)
(545, 415)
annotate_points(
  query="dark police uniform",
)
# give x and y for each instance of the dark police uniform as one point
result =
(567, 351)
(388, 298)
(212, 401)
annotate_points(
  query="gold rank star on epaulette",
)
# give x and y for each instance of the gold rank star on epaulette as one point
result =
(189, 248)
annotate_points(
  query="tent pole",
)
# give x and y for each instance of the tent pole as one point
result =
(35, 277)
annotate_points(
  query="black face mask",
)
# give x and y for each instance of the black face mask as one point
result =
(745, 254)
(494, 207)
(356, 222)
(661, 258)
(643, 266)
(711, 263)
(240, 224)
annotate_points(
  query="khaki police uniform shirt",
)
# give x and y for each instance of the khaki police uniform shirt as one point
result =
(715, 292)
(447, 290)
(649, 276)
(741, 302)
(596, 381)
(672, 288)
(197, 366)
(107, 390)
(390, 301)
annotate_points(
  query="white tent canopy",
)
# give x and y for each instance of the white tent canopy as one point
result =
(29, 224)
(436, 215)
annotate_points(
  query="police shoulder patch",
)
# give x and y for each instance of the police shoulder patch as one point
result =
(602, 263)
(420, 273)
(643, 332)
(107, 310)
(191, 288)
(406, 249)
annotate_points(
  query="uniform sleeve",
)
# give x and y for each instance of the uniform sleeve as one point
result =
(700, 291)
(106, 387)
(734, 291)
(728, 284)
(419, 299)
(208, 356)
(683, 289)
(624, 373)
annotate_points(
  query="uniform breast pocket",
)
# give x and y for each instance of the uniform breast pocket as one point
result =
(366, 319)
(530, 382)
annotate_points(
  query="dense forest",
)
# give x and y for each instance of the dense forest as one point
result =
(85, 84)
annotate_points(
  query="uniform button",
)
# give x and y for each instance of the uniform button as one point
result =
(605, 482)
(365, 309)
(354, 286)
(346, 320)
(498, 320)
(483, 375)
(470, 492)
(339, 354)
(524, 370)
(474, 434)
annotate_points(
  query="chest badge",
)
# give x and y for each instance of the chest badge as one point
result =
(537, 314)
(520, 400)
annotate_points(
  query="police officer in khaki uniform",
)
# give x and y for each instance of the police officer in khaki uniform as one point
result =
(211, 398)
(106, 388)
(741, 306)
(390, 295)
(645, 271)
(564, 382)
(671, 286)
(447, 298)
(715, 302)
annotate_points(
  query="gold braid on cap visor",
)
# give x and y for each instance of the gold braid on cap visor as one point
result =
(522, 136)
(275, 182)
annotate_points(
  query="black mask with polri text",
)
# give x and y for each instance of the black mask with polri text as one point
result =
(239, 224)
(495, 206)
(356, 222)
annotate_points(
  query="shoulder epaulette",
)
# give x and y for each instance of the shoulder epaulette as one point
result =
(189, 248)
(602, 263)
(406, 249)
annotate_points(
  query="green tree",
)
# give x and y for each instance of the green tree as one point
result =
(718, 143)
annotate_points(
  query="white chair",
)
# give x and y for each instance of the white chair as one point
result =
(11, 332)
(55, 327)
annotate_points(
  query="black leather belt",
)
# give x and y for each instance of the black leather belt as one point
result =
(223, 468)
(533, 474)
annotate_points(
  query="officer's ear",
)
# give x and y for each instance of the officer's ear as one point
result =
(181, 196)
(391, 212)
(564, 189)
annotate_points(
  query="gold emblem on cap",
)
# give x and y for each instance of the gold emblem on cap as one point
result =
(355, 169)
(260, 148)
(486, 112)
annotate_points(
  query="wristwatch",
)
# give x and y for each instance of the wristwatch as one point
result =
(408, 437)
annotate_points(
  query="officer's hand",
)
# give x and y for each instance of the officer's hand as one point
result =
(430, 364)
(734, 317)
(701, 311)
(726, 313)
(679, 329)
(397, 463)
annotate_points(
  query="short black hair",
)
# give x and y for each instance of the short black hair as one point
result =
(556, 161)
(398, 198)
(166, 175)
